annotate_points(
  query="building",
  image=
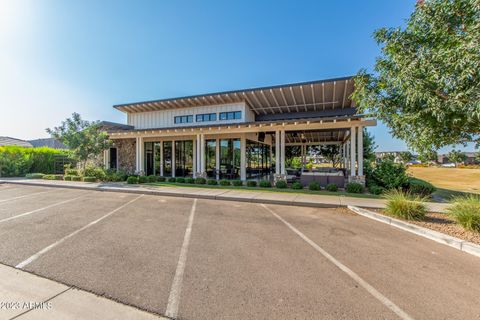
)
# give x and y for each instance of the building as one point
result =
(48, 142)
(8, 141)
(238, 134)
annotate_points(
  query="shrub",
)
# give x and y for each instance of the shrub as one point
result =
(67, 178)
(420, 187)
(466, 211)
(161, 179)
(115, 175)
(251, 183)
(354, 187)
(180, 180)
(34, 175)
(297, 186)
(314, 186)
(389, 174)
(52, 177)
(405, 205)
(172, 179)
(76, 178)
(331, 187)
(265, 184)
(97, 172)
(71, 172)
(89, 179)
(190, 180)
(374, 189)
(281, 184)
(224, 182)
(237, 183)
(132, 180)
(212, 182)
(152, 178)
(142, 179)
(200, 180)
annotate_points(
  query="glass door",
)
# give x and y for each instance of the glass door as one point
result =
(167, 158)
(184, 158)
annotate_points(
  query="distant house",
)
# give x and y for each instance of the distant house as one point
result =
(48, 142)
(8, 141)
(469, 158)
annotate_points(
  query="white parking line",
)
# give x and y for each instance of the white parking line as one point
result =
(374, 292)
(53, 245)
(24, 196)
(176, 289)
(40, 209)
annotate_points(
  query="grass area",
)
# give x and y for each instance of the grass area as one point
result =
(450, 182)
(245, 188)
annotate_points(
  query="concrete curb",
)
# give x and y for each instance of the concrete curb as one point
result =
(439, 237)
(182, 195)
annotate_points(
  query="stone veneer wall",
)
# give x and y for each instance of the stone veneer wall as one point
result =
(126, 154)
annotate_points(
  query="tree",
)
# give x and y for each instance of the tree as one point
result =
(456, 156)
(85, 139)
(331, 153)
(428, 156)
(405, 156)
(369, 146)
(477, 157)
(426, 86)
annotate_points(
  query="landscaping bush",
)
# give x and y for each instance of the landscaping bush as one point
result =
(405, 205)
(52, 177)
(314, 186)
(374, 189)
(190, 180)
(251, 183)
(89, 179)
(224, 182)
(200, 181)
(180, 180)
(354, 187)
(132, 180)
(265, 184)
(67, 178)
(212, 182)
(161, 179)
(389, 174)
(466, 211)
(71, 172)
(34, 175)
(152, 178)
(142, 179)
(172, 179)
(332, 187)
(297, 186)
(97, 172)
(420, 187)
(115, 175)
(281, 184)
(237, 183)
(76, 178)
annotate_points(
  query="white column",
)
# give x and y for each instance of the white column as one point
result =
(195, 154)
(243, 160)
(345, 155)
(173, 158)
(202, 153)
(282, 151)
(161, 158)
(217, 157)
(106, 160)
(277, 152)
(352, 151)
(360, 151)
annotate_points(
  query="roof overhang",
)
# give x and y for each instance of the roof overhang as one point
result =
(312, 96)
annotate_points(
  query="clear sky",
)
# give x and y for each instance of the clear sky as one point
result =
(59, 57)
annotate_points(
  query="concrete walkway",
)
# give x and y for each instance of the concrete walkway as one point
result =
(27, 296)
(258, 196)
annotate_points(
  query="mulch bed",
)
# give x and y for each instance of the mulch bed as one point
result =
(443, 223)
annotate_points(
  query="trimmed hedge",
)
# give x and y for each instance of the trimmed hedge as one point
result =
(420, 187)
(212, 182)
(34, 175)
(374, 189)
(67, 178)
(354, 187)
(142, 179)
(224, 182)
(281, 184)
(297, 186)
(161, 179)
(251, 183)
(71, 172)
(172, 179)
(152, 178)
(314, 186)
(89, 179)
(332, 187)
(180, 180)
(132, 180)
(264, 184)
(53, 177)
(200, 181)
(237, 183)
(189, 180)
(76, 178)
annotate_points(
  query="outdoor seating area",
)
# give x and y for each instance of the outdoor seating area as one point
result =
(324, 177)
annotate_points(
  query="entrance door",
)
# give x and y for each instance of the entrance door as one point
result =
(113, 158)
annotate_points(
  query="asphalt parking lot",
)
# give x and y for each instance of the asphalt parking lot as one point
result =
(207, 259)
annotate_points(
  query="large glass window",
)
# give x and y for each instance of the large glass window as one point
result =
(230, 158)
(148, 158)
(184, 158)
(167, 158)
(156, 158)
(183, 119)
(206, 117)
(210, 158)
(232, 115)
(257, 159)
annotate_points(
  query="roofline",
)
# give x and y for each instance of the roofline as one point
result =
(117, 106)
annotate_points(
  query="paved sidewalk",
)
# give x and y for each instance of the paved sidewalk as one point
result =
(27, 296)
(269, 197)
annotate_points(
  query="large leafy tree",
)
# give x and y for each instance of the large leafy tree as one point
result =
(85, 139)
(426, 84)
(456, 156)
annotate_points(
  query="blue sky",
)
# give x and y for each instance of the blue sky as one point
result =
(58, 57)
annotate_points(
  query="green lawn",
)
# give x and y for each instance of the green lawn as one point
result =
(273, 189)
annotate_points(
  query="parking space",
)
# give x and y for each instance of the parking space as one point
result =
(207, 259)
